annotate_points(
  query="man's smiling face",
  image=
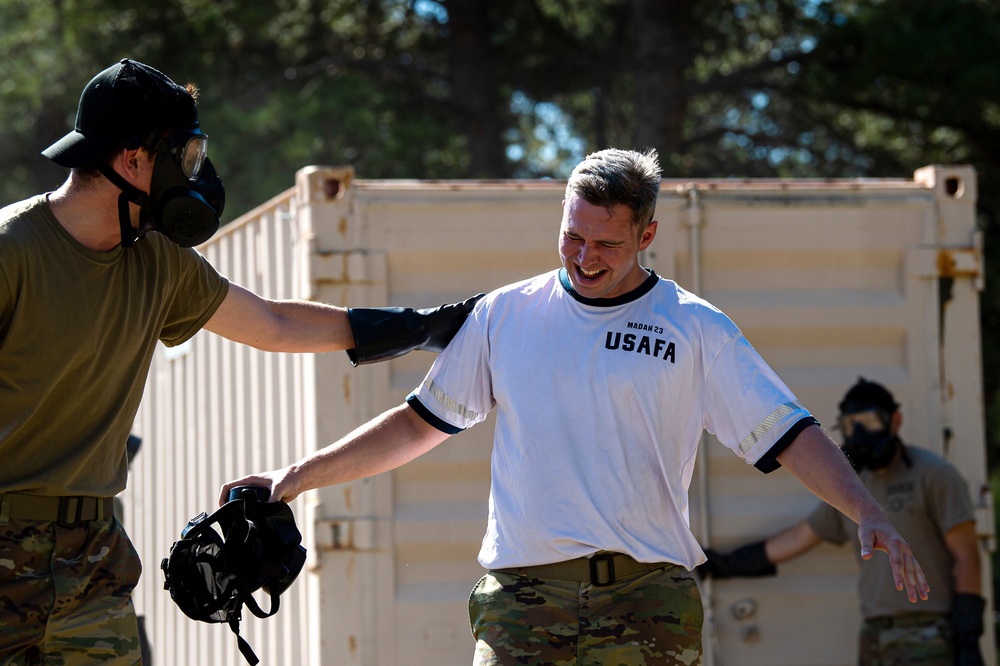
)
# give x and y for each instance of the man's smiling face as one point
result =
(600, 249)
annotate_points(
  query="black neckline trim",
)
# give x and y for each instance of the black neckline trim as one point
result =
(640, 291)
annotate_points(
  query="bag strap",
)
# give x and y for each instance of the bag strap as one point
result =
(239, 530)
(242, 644)
(246, 598)
(255, 608)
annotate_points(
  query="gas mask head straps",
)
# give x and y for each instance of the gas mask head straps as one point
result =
(186, 196)
(129, 193)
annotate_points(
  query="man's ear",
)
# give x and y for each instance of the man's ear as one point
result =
(647, 236)
(131, 163)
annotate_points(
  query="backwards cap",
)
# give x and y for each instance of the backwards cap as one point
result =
(118, 107)
(865, 395)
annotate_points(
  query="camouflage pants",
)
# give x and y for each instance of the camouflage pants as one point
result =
(922, 639)
(65, 594)
(653, 617)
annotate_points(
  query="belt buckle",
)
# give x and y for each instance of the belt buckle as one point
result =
(70, 511)
(595, 573)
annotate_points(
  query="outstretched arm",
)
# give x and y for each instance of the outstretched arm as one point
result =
(384, 443)
(816, 461)
(791, 543)
(758, 558)
(369, 335)
(285, 326)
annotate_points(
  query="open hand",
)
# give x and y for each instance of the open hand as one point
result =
(879, 534)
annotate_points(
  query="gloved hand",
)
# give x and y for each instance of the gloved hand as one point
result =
(966, 627)
(749, 560)
(381, 334)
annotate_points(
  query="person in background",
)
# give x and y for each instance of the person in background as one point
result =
(928, 501)
(604, 376)
(92, 277)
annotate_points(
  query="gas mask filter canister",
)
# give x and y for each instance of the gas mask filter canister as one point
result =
(186, 196)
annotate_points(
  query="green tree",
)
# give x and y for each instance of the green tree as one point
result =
(470, 88)
(284, 83)
(926, 91)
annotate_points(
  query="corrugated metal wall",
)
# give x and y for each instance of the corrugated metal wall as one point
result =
(212, 411)
(828, 280)
(818, 280)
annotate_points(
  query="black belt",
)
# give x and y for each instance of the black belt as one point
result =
(600, 570)
(905, 620)
(67, 510)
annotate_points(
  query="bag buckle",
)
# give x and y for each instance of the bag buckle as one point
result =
(602, 570)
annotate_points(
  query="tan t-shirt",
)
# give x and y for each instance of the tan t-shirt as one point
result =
(78, 329)
(923, 502)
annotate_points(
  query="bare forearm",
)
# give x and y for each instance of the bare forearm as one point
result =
(305, 326)
(791, 543)
(816, 461)
(387, 442)
(968, 577)
(299, 326)
(390, 440)
(963, 544)
(821, 467)
(283, 326)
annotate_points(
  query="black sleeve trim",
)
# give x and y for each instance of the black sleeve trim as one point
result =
(431, 418)
(769, 462)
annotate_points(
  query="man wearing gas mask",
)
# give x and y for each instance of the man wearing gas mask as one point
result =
(92, 276)
(929, 503)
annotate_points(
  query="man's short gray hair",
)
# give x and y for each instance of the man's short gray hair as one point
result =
(615, 177)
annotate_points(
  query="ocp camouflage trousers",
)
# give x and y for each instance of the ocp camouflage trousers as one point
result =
(650, 618)
(918, 639)
(65, 594)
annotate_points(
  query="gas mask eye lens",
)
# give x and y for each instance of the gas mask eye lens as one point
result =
(872, 420)
(193, 156)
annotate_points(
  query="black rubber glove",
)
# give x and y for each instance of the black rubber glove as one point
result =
(749, 560)
(966, 627)
(381, 334)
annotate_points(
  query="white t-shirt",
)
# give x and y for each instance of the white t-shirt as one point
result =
(601, 404)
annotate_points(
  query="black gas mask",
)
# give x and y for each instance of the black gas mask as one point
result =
(868, 441)
(221, 559)
(186, 195)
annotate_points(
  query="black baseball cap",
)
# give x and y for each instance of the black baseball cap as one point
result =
(118, 108)
(866, 395)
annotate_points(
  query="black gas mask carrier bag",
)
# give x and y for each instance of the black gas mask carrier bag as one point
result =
(211, 573)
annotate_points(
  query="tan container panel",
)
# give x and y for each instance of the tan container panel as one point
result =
(828, 280)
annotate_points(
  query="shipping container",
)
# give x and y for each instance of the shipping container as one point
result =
(830, 280)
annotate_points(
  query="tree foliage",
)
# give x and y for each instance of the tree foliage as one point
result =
(524, 88)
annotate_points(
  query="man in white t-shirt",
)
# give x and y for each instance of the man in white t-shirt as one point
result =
(604, 376)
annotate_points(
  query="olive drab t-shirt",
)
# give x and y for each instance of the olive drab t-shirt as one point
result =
(923, 502)
(78, 329)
